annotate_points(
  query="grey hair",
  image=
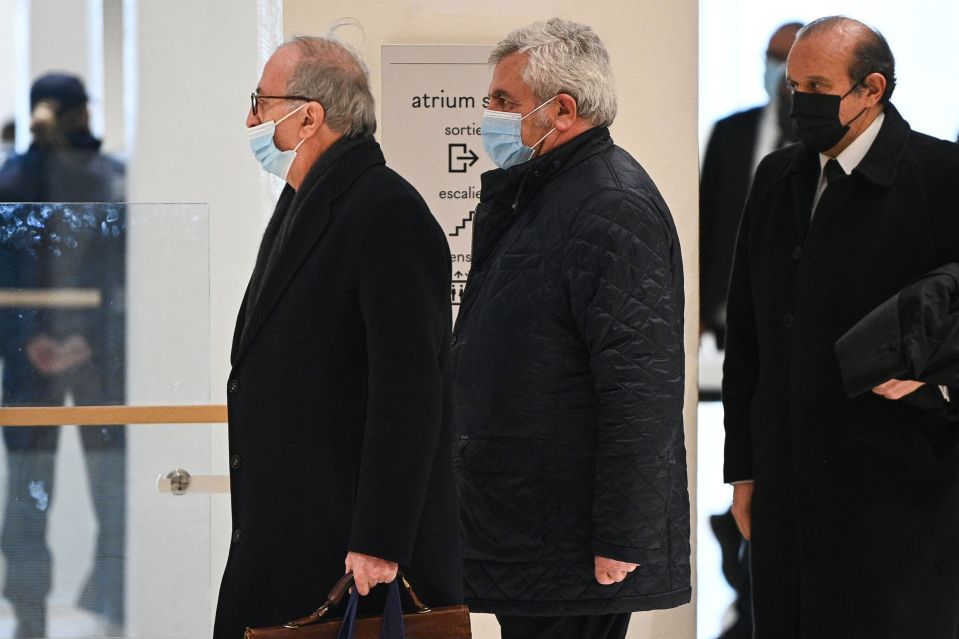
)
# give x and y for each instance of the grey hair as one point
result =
(335, 76)
(565, 57)
(871, 54)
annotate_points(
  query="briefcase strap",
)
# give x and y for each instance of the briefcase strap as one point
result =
(420, 606)
(340, 589)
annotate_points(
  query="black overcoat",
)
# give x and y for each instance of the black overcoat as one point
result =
(855, 514)
(337, 418)
(724, 184)
(568, 374)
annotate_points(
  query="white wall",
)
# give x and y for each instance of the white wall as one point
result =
(8, 53)
(112, 117)
(84, 38)
(190, 69)
(653, 45)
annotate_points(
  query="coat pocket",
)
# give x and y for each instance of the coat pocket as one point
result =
(502, 499)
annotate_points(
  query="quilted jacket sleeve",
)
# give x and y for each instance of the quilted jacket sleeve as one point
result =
(624, 279)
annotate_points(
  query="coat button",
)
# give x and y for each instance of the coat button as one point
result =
(235, 461)
(797, 253)
(788, 320)
(453, 340)
(233, 387)
(237, 534)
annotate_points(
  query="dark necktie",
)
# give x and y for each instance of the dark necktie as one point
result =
(833, 172)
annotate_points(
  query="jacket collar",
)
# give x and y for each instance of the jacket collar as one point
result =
(881, 162)
(327, 180)
(76, 141)
(505, 183)
(883, 158)
(506, 191)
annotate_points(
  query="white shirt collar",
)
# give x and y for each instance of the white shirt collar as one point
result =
(852, 155)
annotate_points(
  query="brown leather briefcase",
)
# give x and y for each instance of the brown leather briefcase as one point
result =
(447, 622)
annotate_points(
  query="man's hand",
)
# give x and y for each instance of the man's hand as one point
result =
(610, 571)
(370, 571)
(743, 508)
(52, 357)
(897, 388)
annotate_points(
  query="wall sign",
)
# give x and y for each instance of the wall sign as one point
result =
(432, 102)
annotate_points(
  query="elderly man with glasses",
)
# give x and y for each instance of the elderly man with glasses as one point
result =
(340, 453)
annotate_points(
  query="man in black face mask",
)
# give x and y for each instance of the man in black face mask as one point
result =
(832, 489)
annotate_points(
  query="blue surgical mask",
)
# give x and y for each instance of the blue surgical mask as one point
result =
(503, 137)
(264, 149)
(774, 76)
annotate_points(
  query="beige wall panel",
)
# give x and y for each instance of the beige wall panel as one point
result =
(653, 44)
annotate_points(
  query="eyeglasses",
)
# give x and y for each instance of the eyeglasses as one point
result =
(254, 98)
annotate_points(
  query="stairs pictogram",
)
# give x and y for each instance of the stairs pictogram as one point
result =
(463, 224)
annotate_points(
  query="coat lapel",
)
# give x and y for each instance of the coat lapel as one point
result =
(269, 235)
(238, 329)
(884, 156)
(879, 167)
(803, 177)
(311, 210)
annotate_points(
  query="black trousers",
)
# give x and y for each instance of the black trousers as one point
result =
(31, 457)
(570, 627)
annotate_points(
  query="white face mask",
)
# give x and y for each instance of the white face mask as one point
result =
(272, 159)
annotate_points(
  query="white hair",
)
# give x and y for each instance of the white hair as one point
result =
(565, 57)
(331, 73)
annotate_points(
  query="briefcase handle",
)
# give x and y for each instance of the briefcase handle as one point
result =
(336, 595)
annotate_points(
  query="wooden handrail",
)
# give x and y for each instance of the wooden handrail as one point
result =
(101, 415)
(34, 298)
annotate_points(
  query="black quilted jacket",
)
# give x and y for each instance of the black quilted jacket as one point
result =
(568, 388)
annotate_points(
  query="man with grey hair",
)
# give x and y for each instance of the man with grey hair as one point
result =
(568, 359)
(340, 449)
(850, 499)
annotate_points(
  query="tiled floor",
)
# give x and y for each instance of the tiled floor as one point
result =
(63, 622)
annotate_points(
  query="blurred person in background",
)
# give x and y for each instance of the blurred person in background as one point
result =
(57, 352)
(737, 143)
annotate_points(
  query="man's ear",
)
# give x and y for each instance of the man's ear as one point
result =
(875, 84)
(566, 112)
(311, 119)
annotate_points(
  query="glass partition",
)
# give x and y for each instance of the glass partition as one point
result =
(102, 306)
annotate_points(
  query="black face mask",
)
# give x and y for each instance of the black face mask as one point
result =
(815, 118)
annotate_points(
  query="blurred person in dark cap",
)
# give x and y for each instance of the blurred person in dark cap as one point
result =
(63, 162)
(55, 353)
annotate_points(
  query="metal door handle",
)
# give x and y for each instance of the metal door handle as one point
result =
(179, 482)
